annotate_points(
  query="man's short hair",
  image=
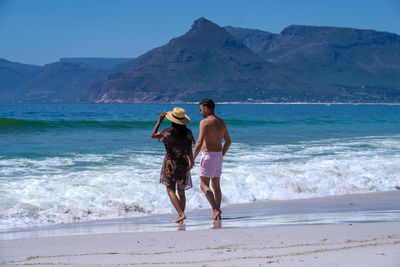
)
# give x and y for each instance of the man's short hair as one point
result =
(207, 102)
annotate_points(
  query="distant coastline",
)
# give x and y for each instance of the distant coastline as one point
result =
(344, 66)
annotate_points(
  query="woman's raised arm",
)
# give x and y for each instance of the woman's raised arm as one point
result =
(155, 134)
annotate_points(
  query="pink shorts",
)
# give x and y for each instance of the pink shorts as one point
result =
(211, 164)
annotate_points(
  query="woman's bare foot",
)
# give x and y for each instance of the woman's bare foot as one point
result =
(216, 215)
(180, 218)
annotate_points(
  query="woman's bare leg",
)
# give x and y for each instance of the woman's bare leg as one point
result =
(182, 199)
(175, 202)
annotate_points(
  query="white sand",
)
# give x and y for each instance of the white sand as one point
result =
(367, 244)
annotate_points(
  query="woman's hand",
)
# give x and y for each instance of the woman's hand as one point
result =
(191, 165)
(161, 116)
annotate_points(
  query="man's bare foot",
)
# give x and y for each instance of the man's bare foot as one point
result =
(180, 218)
(216, 215)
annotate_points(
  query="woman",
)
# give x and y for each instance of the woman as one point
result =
(178, 161)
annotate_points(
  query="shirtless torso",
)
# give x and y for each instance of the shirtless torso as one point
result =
(212, 131)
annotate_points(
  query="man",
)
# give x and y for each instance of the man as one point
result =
(212, 131)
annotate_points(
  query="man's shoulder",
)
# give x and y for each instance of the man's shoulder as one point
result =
(221, 121)
(204, 121)
(212, 120)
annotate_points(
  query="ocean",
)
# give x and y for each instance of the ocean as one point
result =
(66, 163)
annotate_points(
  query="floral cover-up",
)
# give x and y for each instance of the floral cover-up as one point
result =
(176, 162)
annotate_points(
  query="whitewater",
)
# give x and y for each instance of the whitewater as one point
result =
(67, 163)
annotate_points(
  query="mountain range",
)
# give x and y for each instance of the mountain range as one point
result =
(228, 64)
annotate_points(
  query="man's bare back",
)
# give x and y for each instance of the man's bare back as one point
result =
(214, 131)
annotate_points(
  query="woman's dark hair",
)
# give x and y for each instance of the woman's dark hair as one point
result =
(179, 131)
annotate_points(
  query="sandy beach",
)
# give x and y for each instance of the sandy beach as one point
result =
(351, 230)
(369, 244)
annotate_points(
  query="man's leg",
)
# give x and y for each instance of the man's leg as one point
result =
(217, 193)
(175, 201)
(205, 186)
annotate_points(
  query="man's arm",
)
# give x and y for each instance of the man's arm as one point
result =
(200, 140)
(227, 140)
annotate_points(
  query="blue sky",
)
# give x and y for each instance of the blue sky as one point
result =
(41, 31)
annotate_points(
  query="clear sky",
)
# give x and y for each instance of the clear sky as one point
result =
(41, 31)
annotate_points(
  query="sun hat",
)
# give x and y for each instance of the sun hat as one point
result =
(178, 116)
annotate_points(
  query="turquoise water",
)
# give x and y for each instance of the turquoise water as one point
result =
(63, 163)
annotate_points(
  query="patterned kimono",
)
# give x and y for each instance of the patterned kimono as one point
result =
(175, 172)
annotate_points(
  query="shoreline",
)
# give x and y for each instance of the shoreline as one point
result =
(360, 208)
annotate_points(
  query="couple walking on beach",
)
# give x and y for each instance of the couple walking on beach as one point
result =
(179, 160)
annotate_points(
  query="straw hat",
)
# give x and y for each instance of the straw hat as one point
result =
(178, 116)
